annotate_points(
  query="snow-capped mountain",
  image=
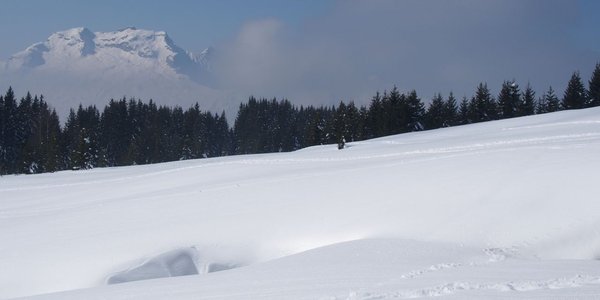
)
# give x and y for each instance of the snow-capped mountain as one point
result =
(78, 65)
(125, 50)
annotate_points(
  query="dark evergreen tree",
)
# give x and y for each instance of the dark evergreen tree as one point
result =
(435, 115)
(376, 123)
(551, 101)
(395, 112)
(484, 107)
(527, 105)
(340, 124)
(10, 134)
(575, 94)
(464, 112)
(40, 152)
(415, 112)
(541, 106)
(193, 135)
(81, 130)
(594, 88)
(354, 123)
(509, 100)
(115, 132)
(51, 134)
(450, 111)
(223, 136)
(2, 143)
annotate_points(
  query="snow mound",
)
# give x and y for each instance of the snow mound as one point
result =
(174, 263)
(179, 262)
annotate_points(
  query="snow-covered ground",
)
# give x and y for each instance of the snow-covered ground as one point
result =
(505, 209)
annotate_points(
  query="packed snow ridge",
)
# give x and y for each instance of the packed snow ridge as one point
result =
(496, 210)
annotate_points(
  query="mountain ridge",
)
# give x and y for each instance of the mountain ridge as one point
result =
(80, 48)
(79, 66)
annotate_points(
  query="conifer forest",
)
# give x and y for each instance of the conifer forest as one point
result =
(133, 132)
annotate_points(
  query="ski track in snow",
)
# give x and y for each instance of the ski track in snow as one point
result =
(458, 287)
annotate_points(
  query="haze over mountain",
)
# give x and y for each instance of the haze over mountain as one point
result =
(80, 66)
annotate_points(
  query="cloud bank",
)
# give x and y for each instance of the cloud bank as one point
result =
(360, 47)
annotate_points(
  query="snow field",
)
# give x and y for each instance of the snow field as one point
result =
(491, 210)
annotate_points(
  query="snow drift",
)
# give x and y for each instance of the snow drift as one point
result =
(174, 263)
(521, 192)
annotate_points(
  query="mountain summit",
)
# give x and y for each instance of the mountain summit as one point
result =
(126, 50)
(80, 66)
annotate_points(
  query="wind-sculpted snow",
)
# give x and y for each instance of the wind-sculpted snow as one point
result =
(174, 263)
(491, 210)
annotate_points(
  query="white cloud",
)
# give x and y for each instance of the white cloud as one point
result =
(430, 46)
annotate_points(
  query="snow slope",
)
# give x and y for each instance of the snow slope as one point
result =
(504, 209)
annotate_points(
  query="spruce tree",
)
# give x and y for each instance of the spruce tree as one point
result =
(340, 124)
(464, 112)
(527, 106)
(434, 117)
(353, 119)
(594, 88)
(52, 142)
(2, 143)
(415, 112)
(509, 100)
(395, 112)
(540, 106)
(375, 124)
(450, 111)
(551, 101)
(575, 94)
(10, 134)
(484, 106)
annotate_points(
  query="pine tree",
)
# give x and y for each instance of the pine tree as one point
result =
(450, 111)
(464, 112)
(52, 142)
(2, 143)
(415, 112)
(29, 112)
(484, 106)
(575, 94)
(354, 123)
(395, 112)
(527, 106)
(10, 134)
(541, 106)
(551, 101)
(434, 117)
(509, 100)
(375, 124)
(594, 88)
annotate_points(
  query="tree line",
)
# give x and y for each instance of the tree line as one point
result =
(130, 132)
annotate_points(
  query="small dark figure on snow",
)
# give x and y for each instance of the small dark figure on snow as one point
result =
(341, 144)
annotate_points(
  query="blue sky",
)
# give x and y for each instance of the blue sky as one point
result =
(193, 24)
(323, 51)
